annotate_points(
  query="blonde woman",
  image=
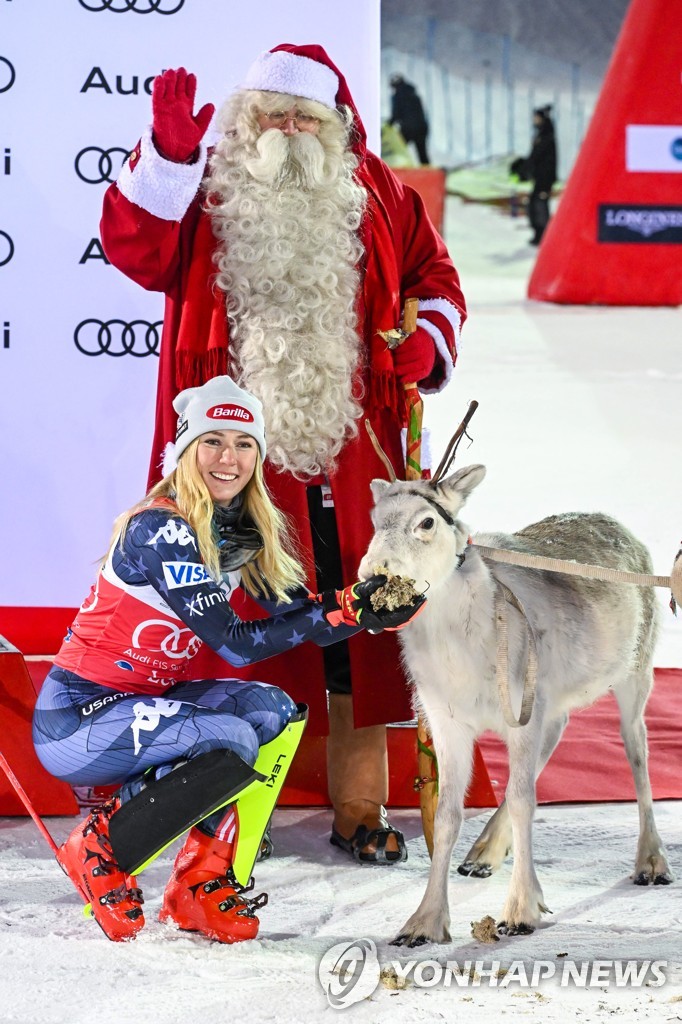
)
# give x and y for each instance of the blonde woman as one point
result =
(122, 704)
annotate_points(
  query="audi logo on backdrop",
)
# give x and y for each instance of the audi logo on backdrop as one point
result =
(139, 6)
(95, 165)
(118, 338)
(7, 74)
(6, 248)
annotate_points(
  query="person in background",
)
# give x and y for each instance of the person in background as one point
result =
(282, 253)
(125, 703)
(407, 112)
(541, 169)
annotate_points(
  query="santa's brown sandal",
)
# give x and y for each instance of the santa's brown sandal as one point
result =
(376, 839)
(357, 771)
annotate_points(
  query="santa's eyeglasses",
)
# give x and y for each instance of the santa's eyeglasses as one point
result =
(277, 118)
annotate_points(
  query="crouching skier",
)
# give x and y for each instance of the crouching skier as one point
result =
(122, 706)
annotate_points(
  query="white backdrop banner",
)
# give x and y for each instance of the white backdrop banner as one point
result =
(78, 341)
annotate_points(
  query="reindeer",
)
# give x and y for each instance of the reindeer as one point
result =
(589, 636)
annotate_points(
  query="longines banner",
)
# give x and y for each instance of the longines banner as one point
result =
(79, 343)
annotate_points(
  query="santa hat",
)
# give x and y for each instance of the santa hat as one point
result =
(219, 404)
(305, 71)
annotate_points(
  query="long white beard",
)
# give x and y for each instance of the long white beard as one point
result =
(287, 217)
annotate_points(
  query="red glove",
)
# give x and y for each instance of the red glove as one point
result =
(176, 131)
(414, 359)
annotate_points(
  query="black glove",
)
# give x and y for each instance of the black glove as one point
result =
(352, 607)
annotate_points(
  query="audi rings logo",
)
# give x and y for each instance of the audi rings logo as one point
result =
(7, 74)
(118, 338)
(95, 166)
(6, 248)
(139, 6)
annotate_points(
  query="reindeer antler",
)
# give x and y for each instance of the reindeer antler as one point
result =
(380, 452)
(451, 449)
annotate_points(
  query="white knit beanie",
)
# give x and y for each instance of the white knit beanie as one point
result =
(219, 404)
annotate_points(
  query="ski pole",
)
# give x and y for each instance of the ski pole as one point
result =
(23, 796)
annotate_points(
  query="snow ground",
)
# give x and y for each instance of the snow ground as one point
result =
(579, 410)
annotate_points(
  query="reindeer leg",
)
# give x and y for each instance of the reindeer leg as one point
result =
(651, 864)
(453, 744)
(495, 841)
(525, 902)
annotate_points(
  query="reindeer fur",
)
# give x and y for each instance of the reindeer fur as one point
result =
(591, 637)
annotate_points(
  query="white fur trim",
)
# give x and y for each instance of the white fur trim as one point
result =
(454, 318)
(426, 462)
(159, 186)
(294, 75)
(169, 460)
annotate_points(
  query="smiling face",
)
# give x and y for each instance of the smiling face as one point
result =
(226, 460)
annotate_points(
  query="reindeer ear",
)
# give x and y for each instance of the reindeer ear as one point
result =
(377, 488)
(463, 482)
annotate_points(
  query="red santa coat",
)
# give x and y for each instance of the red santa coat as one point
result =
(155, 230)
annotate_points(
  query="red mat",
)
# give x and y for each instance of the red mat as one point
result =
(590, 766)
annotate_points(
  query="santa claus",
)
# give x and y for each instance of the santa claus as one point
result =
(282, 253)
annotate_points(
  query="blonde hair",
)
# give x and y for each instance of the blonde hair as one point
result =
(275, 570)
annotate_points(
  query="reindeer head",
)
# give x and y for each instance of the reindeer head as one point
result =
(416, 531)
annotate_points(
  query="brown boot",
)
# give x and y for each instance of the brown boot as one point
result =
(357, 772)
(202, 895)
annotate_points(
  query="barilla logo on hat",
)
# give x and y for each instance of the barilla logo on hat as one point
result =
(229, 412)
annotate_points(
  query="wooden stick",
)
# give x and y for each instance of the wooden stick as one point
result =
(427, 765)
(410, 316)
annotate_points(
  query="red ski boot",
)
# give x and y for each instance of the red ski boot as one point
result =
(204, 896)
(87, 858)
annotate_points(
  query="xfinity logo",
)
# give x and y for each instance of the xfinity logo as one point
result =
(184, 574)
(7, 74)
(639, 223)
(230, 412)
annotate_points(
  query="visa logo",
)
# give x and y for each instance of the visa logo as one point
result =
(184, 574)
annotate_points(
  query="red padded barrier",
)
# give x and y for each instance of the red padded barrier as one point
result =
(17, 699)
(35, 630)
(429, 182)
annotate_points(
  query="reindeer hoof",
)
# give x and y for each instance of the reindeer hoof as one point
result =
(473, 869)
(409, 940)
(644, 878)
(514, 929)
